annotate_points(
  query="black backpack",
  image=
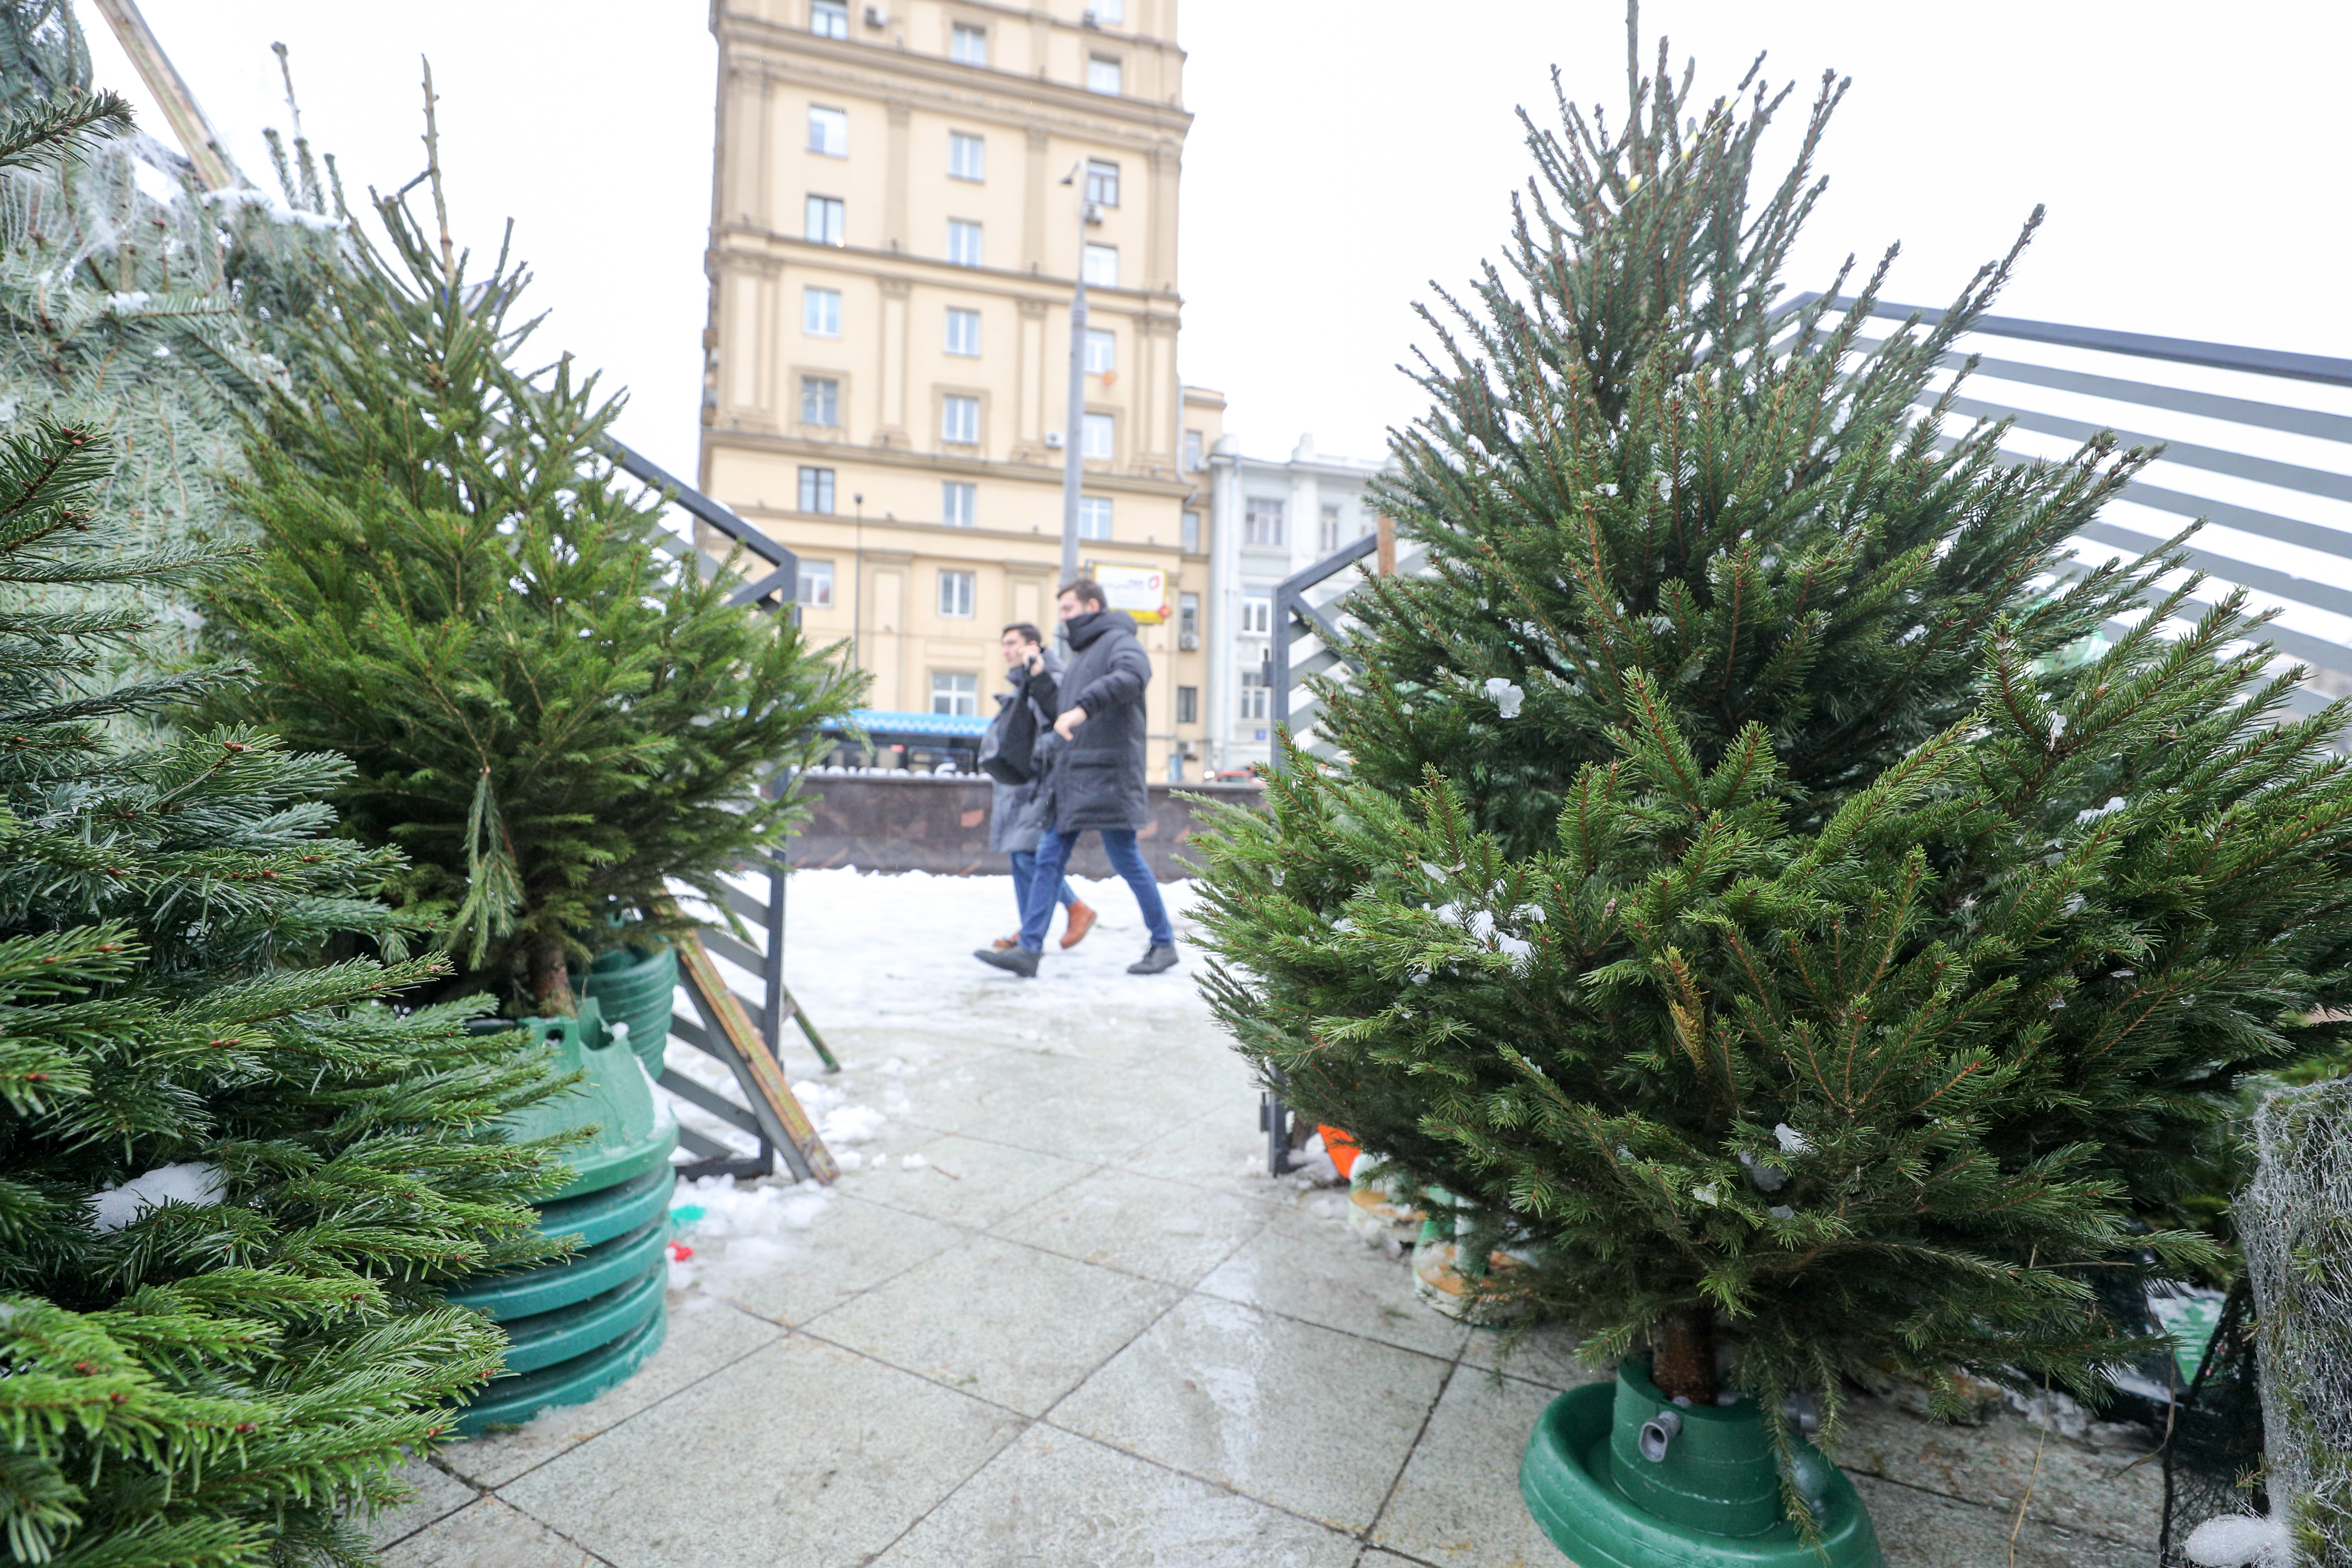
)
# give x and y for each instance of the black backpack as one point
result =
(1010, 742)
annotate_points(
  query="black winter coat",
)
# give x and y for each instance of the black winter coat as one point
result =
(1097, 780)
(1012, 825)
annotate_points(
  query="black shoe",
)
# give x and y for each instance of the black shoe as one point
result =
(1154, 960)
(1020, 960)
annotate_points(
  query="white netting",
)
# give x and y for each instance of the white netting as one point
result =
(2296, 1222)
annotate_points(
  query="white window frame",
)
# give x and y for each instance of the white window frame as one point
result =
(1188, 531)
(1101, 266)
(829, 18)
(1331, 524)
(817, 487)
(1102, 351)
(1188, 705)
(1257, 617)
(1107, 13)
(968, 45)
(961, 692)
(963, 333)
(958, 591)
(814, 585)
(1098, 437)
(825, 220)
(1094, 517)
(1105, 75)
(1266, 521)
(828, 132)
(966, 157)
(960, 419)
(1102, 182)
(820, 312)
(1250, 698)
(821, 401)
(964, 242)
(1194, 460)
(959, 503)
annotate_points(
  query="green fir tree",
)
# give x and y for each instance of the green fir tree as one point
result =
(556, 719)
(1748, 889)
(230, 1173)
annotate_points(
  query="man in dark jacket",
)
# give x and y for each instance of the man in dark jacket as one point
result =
(1012, 825)
(1093, 777)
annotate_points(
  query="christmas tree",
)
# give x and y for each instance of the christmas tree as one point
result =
(1748, 892)
(135, 301)
(554, 717)
(230, 1172)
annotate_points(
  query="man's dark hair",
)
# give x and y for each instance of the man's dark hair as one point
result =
(1028, 632)
(1089, 590)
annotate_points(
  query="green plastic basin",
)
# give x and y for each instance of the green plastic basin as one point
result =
(635, 1133)
(506, 1297)
(610, 1211)
(637, 989)
(551, 1337)
(511, 1401)
(1568, 1480)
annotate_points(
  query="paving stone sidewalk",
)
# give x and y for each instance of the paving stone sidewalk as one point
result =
(1088, 1333)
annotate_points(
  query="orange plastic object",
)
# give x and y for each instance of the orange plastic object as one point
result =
(1341, 1148)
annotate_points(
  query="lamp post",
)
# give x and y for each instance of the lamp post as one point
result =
(1074, 438)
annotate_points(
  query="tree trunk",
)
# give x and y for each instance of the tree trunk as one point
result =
(1683, 1354)
(551, 982)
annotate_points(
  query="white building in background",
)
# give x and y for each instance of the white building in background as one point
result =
(1270, 520)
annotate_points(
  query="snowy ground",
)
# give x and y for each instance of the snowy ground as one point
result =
(1055, 1315)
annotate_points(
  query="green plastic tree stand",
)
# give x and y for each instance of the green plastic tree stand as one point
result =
(583, 1325)
(637, 989)
(1708, 1494)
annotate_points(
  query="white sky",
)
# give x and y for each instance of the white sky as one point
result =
(1344, 154)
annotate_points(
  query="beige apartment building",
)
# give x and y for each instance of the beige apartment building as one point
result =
(904, 193)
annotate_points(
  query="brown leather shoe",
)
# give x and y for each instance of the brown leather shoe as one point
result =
(1012, 941)
(1082, 921)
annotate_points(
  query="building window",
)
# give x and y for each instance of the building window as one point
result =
(963, 242)
(967, 156)
(1330, 527)
(1188, 538)
(814, 587)
(1188, 616)
(955, 602)
(1102, 183)
(1262, 521)
(1103, 75)
(1098, 437)
(826, 222)
(960, 421)
(968, 45)
(1192, 451)
(817, 490)
(960, 503)
(963, 333)
(820, 400)
(1188, 705)
(1257, 617)
(1250, 701)
(1102, 352)
(828, 132)
(956, 696)
(820, 311)
(1102, 266)
(1094, 517)
(829, 18)
(1107, 12)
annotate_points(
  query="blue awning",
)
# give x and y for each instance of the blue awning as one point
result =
(881, 721)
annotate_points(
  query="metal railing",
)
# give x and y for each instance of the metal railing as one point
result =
(2258, 442)
(782, 581)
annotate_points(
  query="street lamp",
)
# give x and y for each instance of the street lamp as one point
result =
(1074, 439)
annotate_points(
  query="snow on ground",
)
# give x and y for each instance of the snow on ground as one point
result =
(887, 957)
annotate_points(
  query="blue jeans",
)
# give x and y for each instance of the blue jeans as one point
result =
(1025, 871)
(1119, 842)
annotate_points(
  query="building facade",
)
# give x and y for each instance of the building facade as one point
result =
(1268, 520)
(904, 194)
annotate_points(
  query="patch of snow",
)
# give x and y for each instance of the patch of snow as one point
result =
(1791, 1140)
(1507, 697)
(2235, 1539)
(186, 1184)
(744, 1229)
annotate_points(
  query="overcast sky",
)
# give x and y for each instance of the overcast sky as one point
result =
(1346, 152)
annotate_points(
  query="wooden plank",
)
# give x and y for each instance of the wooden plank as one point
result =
(794, 1135)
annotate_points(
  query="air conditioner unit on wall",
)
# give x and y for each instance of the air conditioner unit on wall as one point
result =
(1188, 642)
(1052, 440)
(877, 17)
